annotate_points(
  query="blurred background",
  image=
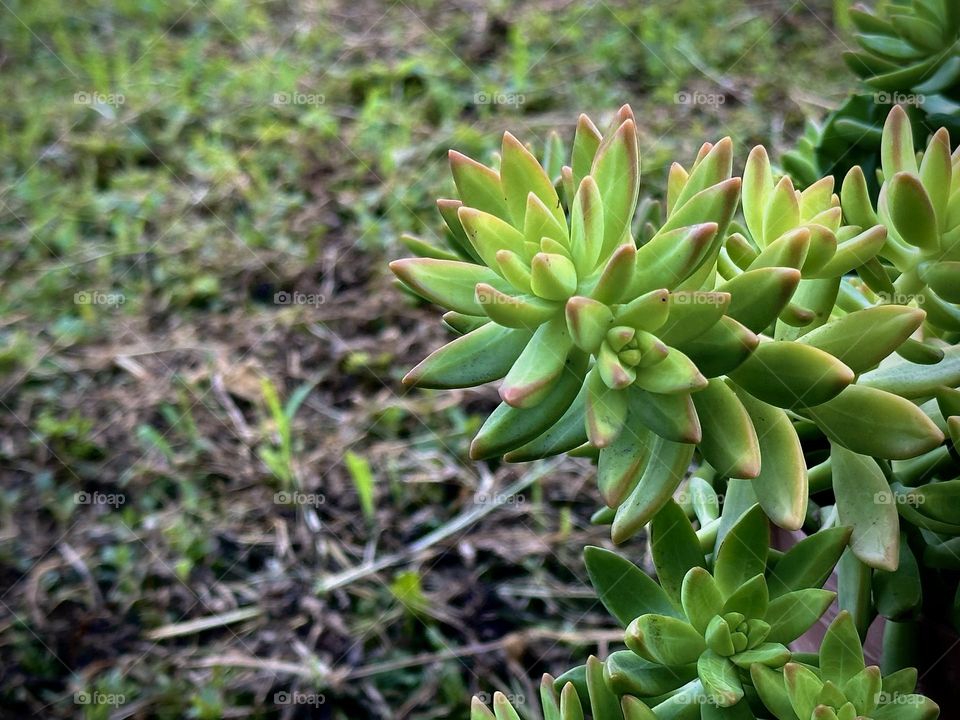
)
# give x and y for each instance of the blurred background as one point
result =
(217, 500)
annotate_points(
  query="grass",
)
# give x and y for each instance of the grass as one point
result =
(198, 200)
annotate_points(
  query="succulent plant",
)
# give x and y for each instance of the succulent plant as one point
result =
(914, 46)
(566, 704)
(749, 351)
(728, 621)
(842, 687)
(910, 53)
(710, 336)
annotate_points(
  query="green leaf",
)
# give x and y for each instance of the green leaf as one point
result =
(586, 142)
(616, 168)
(634, 709)
(803, 688)
(863, 338)
(912, 213)
(481, 356)
(750, 599)
(743, 552)
(479, 711)
(841, 655)
(623, 588)
(863, 503)
(729, 441)
(622, 462)
(782, 213)
(757, 188)
(586, 227)
(720, 679)
(791, 375)
(447, 283)
(503, 709)
(672, 417)
(863, 690)
(626, 673)
(362, 477)
(570, 707)
(771, 654)
(509, 428)
(759, 296)
(675, 549)
(478, 185)
(548, 699)
(873, 422)
(552, 276)
(781, 485)
(913, 380)
(701, 598)
(488, 234)
(897, 152)
(539, 365)
(606, 411)
(899, 593)
(772, 691)
(809, 563)
(665, 640)
(521, 174)
(668, 465)
(790, 615)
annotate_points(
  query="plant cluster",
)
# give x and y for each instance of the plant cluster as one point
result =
(795, 349)
(909, 54)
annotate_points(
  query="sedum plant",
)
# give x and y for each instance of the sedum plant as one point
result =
(909, 52)
(749, 353)
(842, 687)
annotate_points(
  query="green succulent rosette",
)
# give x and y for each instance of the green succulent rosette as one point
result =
(841, 686)
(914, 46)
(712, 340)
(721, 605)
(562, 701)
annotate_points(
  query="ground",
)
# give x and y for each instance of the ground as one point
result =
(203, 425)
